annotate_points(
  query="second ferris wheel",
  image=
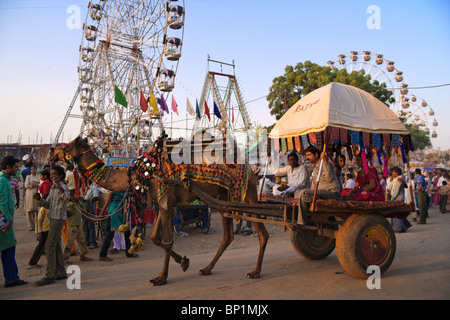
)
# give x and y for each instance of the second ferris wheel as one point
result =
(134, 47)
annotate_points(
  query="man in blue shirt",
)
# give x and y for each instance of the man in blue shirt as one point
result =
(421, 188)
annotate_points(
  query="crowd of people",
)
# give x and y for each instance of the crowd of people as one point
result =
(357, 181)
(54, 210)
(53, 204)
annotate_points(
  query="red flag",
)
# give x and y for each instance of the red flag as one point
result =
(174, 106)
(143, 103)
(207, 111)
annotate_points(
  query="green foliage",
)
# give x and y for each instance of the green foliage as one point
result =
(305, 77)
(419, 137)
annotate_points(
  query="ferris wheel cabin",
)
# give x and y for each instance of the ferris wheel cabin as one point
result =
(90, 33)
(166, 80)
(173, 49)
(175, 18)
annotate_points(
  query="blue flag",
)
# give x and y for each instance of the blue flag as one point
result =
(197, 110)
(216, 111)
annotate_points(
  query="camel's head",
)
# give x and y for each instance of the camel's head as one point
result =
(69, 151)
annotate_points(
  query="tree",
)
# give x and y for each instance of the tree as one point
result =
(419, 137)
(306, 77)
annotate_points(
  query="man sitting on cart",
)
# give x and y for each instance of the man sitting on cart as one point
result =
(328, 187)
(297, 177)
(367, 187)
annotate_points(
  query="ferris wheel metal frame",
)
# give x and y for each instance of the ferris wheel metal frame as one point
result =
(222, 88)
(384, 71)
(134, 46)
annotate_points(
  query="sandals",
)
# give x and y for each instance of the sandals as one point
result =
(132, 255)
(105, 259)
(43, 282)
(15, 283)
(84, 258)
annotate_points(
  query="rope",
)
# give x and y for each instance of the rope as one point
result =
(88, 215)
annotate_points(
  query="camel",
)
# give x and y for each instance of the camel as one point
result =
(79, 153)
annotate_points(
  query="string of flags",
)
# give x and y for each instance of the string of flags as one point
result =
(145, 103)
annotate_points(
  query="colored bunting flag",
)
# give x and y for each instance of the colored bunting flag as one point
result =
(174, 106)
(189, 108)
(216, 111)
(164, 105)
(197, 109)
(152, 102)
(207, 111)
(119, 97)
(143, 103)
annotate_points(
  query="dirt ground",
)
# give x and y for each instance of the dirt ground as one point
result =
(421, 269)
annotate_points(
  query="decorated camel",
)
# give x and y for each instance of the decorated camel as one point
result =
(148, 178)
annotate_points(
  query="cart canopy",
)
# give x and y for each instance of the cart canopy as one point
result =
(343, 113)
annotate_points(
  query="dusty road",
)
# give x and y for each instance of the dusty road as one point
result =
(421, 270)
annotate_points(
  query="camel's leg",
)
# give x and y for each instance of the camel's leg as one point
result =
(228, 236)
(263, 236)
(157, 239)
(162, 236)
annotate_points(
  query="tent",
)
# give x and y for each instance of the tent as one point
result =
(340, 113)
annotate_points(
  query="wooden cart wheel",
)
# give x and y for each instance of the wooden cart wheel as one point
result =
(310, 245)
(365, 240)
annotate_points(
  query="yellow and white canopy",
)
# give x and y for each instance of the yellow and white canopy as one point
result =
(338, 105)
(340, 113)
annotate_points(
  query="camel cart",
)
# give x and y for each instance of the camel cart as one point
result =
(333, 116)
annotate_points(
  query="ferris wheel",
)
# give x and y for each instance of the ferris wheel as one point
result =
(384, 71)
(132, 47)
(419, 113)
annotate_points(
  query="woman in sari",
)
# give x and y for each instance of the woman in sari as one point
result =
(367, 186)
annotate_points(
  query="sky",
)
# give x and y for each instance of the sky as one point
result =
(39, 53)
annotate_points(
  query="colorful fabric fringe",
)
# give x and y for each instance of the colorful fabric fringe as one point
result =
(305, 141)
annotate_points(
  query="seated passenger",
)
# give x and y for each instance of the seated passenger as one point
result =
(297, 177)
(328, 187)
(367, 187)
(349, 185)
(398, 185)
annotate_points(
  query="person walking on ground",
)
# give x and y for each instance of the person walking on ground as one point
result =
(56, 203)
(421, 187)
(42, 228)
(114, 206)
(31, 186)
(7, 237)
(75, 231)
(443, 196)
